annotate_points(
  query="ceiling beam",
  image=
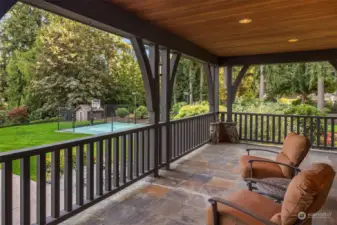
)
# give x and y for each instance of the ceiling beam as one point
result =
(114, 19)
(286, 57)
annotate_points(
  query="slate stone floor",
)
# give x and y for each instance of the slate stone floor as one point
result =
(179, 196)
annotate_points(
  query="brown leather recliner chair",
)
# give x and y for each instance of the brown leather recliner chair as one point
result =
(307, 192)
(294, 150)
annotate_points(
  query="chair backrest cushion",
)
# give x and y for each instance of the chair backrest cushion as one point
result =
(296, 147)
(306, 192)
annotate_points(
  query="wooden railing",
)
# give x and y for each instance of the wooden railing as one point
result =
(94, 168)
(273, 128)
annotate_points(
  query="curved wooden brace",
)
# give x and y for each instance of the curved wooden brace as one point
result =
(238, 80)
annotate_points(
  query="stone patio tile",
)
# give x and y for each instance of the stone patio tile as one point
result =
(167, 181)
(140, 201)
(203, 178)
(168, 208)
(175, 222)
(152, 219)
(191, 215)
(120, 213)
(178, 195)
(213, 191)
(190, 185)
(199, 201)
(155, 190)
(176, 174)
(199, 164)
(221, 183)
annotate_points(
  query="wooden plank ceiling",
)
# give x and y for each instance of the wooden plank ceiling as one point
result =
(214, 24)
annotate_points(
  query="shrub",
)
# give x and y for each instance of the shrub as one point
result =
(304, 109)
(18, 115)
(122, 112)
(45, 120)
(141, 112)
(176, 107)
(191, 110)
(35, 115)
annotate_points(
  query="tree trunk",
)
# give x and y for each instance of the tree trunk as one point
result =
(262, 92)
(320, 93)
(201, 83)
(190, 73)
(303, 99)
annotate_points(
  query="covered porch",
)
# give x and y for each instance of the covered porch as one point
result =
(166, 187)
(179, 196)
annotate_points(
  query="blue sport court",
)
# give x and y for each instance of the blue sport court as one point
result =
(103, 128)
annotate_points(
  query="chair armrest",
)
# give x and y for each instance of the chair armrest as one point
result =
(296, 170)
(261, 150)
(253, 180)
(213, 201)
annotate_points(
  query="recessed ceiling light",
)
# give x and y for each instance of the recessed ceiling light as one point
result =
(293, 40)
(245, 21)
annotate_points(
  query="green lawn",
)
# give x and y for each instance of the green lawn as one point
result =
(18, 137)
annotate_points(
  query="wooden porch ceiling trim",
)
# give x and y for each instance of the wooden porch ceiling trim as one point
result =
(113, 18)
(287, 57)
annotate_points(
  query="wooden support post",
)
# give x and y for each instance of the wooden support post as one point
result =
(149, 66)
(228, 70)
(169, 68)
(212, 74)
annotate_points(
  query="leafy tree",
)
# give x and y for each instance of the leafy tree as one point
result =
(298, 79)
(18, 32)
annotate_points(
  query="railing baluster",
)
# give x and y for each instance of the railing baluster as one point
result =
(267, 129)
(325, 132)
(186, 135)
(55, 184)
(251, 127)
(68, 179)
(6, 193)
(291, 123)
(318, 132)
(256, 127)
(24, 191)
(79, 175)
(146, 150)
(41, 189)
(304, 126)
(285, 126)
(332, 133)
(279, 129)
(246, 128)
(116, 162)
(159, 148)
(90, 171)
(311, 130)
(130, 156)
(262, 128)
(107, 164)
(240, 126)
(141, 152)
(136, 153)
(179, 138)
(273, 129)
(298, 124)
(123, 160)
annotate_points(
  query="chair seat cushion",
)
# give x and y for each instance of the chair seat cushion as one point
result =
(257, 204)
(260, 169)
